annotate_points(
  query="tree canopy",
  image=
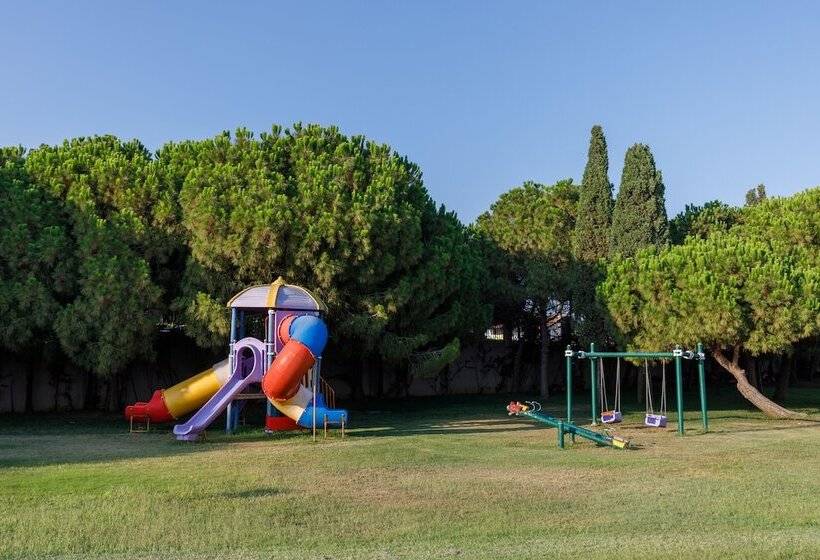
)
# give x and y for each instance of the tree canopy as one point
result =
(112, 206)
(105, 243)
(35, 256)
(639, 217)
(590, 240)
(345, 216)
(755, 287)
(701, 221)
(529, 232)
(533, 226)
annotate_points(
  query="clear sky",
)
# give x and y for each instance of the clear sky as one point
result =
(482, 95)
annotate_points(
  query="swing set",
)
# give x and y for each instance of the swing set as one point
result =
(614, 415)
(598, 384)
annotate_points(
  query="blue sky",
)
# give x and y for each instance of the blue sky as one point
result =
(482, 95)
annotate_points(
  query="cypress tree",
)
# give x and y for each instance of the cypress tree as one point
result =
(756, 195)
(639, 218)
(590, 240)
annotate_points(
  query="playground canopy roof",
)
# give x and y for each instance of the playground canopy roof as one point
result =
(278, 295)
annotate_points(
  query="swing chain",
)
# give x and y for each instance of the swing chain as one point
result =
(650, 409)
(618, 386)
(663, 388)
(602, 385)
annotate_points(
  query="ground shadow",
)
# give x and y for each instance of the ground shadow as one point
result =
(65, 438)
(253, 493)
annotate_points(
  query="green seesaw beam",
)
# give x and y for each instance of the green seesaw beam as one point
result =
(563, 428)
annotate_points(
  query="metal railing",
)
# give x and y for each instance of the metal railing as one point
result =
(324, 388)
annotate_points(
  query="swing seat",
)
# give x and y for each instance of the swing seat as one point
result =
(655, 420)
(611, 416)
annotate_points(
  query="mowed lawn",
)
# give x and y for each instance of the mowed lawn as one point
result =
(437, 478)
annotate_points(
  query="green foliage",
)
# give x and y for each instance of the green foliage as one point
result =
(756, 195)
(527, 235)
(107, 242)
(701, 221)
(590, 240)
(35, 256)
(757, 285)
(345, 216)
(116, 210)
(639, 218)
(429, 364)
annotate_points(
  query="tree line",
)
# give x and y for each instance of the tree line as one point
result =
(616, 271)
(104, 244)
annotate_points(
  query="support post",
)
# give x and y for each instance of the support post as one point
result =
(679, 387)
(568, 354)
(231, 361)
(234, 316)
(315, 381)
(561, 434)
(270, 345)
(704, 415)
(593, 383)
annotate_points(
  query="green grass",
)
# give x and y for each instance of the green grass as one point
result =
(432, 478)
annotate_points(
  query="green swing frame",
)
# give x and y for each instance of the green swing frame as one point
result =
(678, 355)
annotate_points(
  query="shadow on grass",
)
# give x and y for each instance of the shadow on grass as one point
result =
(63, 438)
(802, 425)
(253, 493)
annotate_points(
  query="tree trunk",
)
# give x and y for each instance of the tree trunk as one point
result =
(769, 408)
(640, 384)
(444, 381)
(751, 369)
(519, 356)
(29, 404)
(508, 335)
(92, 392)
(784, 372)
(543, 377)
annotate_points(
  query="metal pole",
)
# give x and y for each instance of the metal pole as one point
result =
(561, 434)
(233, 410)
(679, 387)
(315, 378)
(593, 386)
(648, 355)
(270, 341)
(234, 315)
(568, 354)
(704, 415)
(231, 360)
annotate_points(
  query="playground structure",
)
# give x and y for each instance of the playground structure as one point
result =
(287, 365)
(532, 410)
(656, 420)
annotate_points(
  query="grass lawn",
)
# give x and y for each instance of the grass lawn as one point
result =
(432, 478)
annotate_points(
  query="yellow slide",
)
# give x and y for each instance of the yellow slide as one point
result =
(184, 397)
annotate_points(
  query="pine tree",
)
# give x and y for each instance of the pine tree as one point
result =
(751, 289)
(530, 229)
(639, 218)
(756, 195)
(590, 240)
